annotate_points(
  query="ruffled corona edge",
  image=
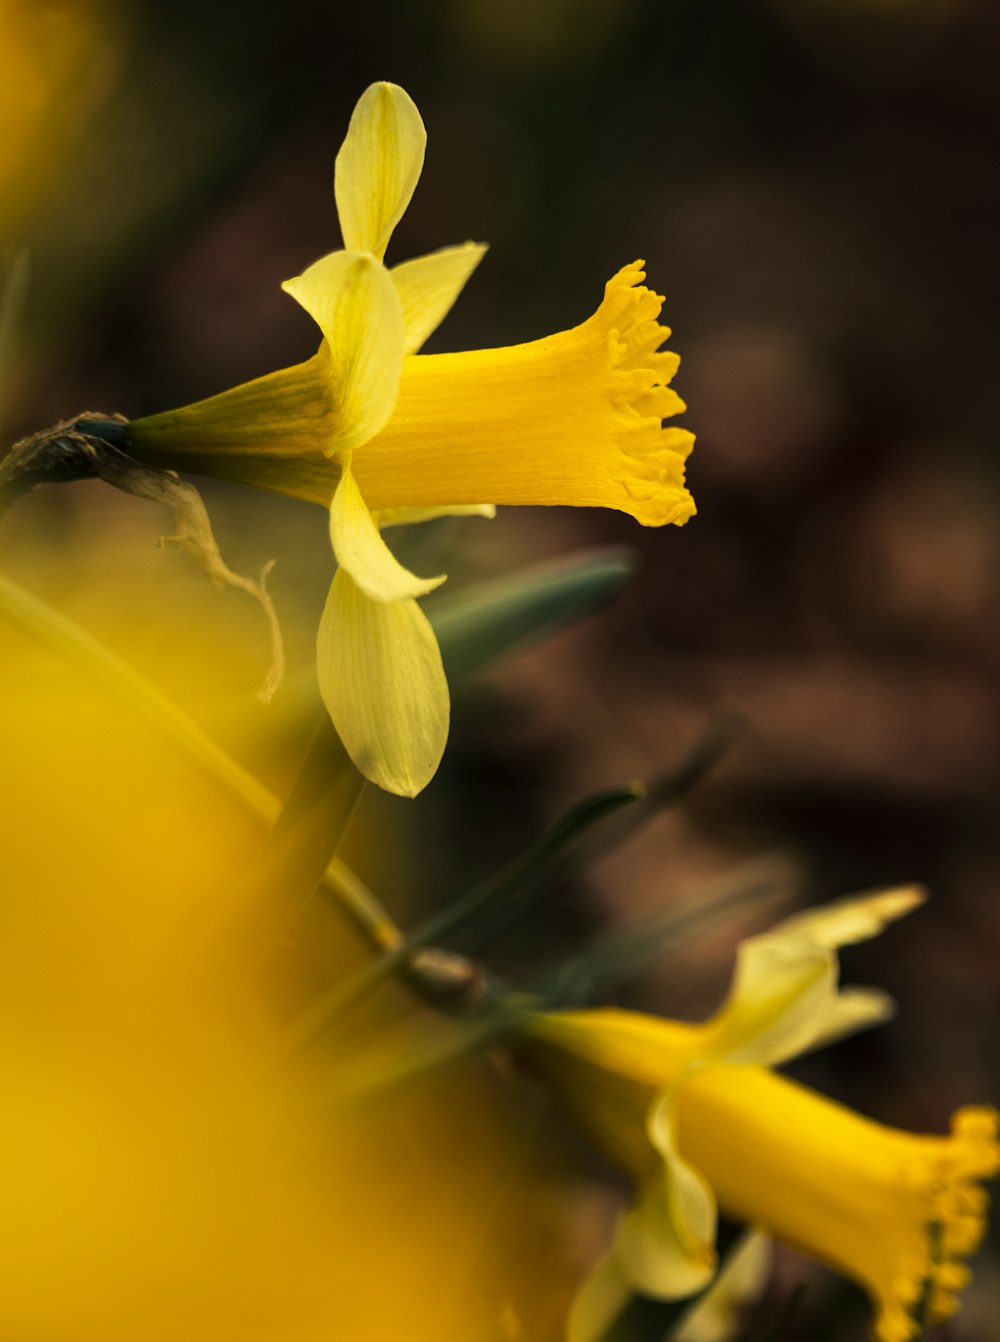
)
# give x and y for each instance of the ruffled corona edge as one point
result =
(954, 1225)
(571, 419)
(641, 376)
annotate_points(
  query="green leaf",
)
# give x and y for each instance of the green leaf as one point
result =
(484, 621)
(526, 866)
(620, 954)
(303, 840)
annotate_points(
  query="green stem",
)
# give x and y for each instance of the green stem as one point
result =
(304, 838)
(622, 953)
(577, 820)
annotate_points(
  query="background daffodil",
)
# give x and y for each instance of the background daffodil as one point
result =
(694, 1113)
(383, 435)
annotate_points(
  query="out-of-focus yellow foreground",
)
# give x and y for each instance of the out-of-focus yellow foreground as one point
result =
(164, 1176)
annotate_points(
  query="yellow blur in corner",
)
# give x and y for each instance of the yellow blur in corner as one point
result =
(164, 1176)
(56, 60)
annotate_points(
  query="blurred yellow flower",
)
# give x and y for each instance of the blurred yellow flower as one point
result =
(164, 1177)
(694, 1114)
(383, 435)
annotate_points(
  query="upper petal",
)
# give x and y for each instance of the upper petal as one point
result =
(857, 918)
(381, 678)
(378, 167)
(362, 552)
(851, 1010)
(355, 304)
(780, 992)
(428, 286)
(784, 996)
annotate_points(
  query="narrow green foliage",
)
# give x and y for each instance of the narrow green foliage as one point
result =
(528, 865)
(622, 953)
(486, 620)
(673, 785)
(305, 836)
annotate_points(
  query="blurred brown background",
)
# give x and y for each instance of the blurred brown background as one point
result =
(814, 185)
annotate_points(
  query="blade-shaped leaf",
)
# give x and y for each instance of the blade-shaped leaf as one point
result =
(485, 620)
(526, 866)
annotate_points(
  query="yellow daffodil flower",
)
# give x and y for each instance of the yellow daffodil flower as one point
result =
(695, 1114)
(381, 435)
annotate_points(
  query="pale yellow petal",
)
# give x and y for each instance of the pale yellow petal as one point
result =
(401, 517)
(362, 552)
(666, 1242)
(781, 992)
(717, 1315)
(428, 286)
(378, 167)
(851, 1010)
(598, 1302)
(784, 998)
(381, 678)
(858, 918)
(354, 302)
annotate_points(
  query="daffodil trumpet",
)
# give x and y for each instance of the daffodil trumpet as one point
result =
(561, 420)
(383, 435)
(699, 1120)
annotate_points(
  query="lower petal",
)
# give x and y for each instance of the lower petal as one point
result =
(666, 1243)
(381, 678)
(360, 549)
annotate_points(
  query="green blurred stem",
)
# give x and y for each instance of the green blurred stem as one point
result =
(478, 624)
(621, 954)
(67, 639)
(304, 838)
(538, 855)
